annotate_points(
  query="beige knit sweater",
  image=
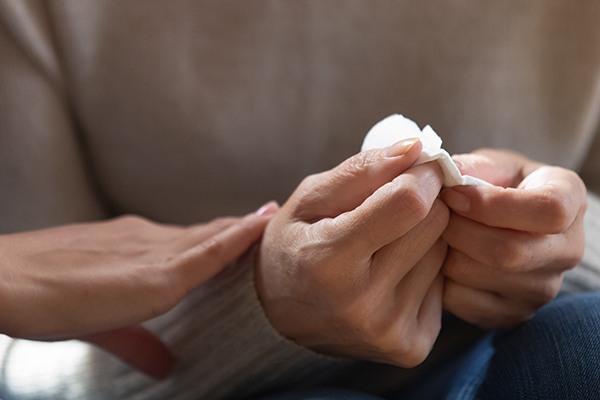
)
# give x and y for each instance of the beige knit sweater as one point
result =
(182, 111)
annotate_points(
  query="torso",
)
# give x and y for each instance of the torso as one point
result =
(197, 109)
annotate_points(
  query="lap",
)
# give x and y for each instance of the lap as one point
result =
(556, 355)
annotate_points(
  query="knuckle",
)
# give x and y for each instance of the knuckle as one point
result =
(575, 252)
(456, 265)
(312, 250)
(509, 256)
(400, 342)
(557, 210)
(386, 343)
(212, 247)
(309, 193)
(309, 183)
(576, 247)
(358, 164)
(547, 290)
(439, 215)
(411, 202)
(422, 347)
(440, 251)
(548, 293)
(130, 226)
(577, 256)
(417, 348)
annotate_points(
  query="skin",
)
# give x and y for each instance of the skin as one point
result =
(97, 281)
(510, 244)
(350, 266)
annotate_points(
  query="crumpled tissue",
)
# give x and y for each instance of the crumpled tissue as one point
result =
(397, 127)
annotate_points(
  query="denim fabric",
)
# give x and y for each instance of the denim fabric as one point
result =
(475, 367)
(554, 356)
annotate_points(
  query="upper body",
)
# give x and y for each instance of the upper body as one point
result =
(235, 103)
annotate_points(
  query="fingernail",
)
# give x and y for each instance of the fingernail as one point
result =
(269, 208)
(456, 201)
(401, 147)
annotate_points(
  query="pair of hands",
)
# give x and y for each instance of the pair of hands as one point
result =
(361, 259)
(359, 262)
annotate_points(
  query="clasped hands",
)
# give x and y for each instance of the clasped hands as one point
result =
(362, 259)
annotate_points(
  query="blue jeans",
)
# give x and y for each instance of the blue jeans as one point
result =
(555, 356)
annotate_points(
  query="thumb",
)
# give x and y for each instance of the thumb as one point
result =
(138, 347)
(346, 186)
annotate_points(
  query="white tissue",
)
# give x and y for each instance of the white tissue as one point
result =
(396, 127)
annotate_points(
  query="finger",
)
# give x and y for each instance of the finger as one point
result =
(428, 321)
(482, 308)
(430, 312)
(509, 250)
(343, 188)
(415, 285)
(196, 234)
(537, 287)
(138, 347)
(392, 211)
(394, 261)
(204, 261)
(546, 207)
(417, 338)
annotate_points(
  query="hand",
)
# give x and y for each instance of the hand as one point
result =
(95, 281)
(350, 265)
(510, 244)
